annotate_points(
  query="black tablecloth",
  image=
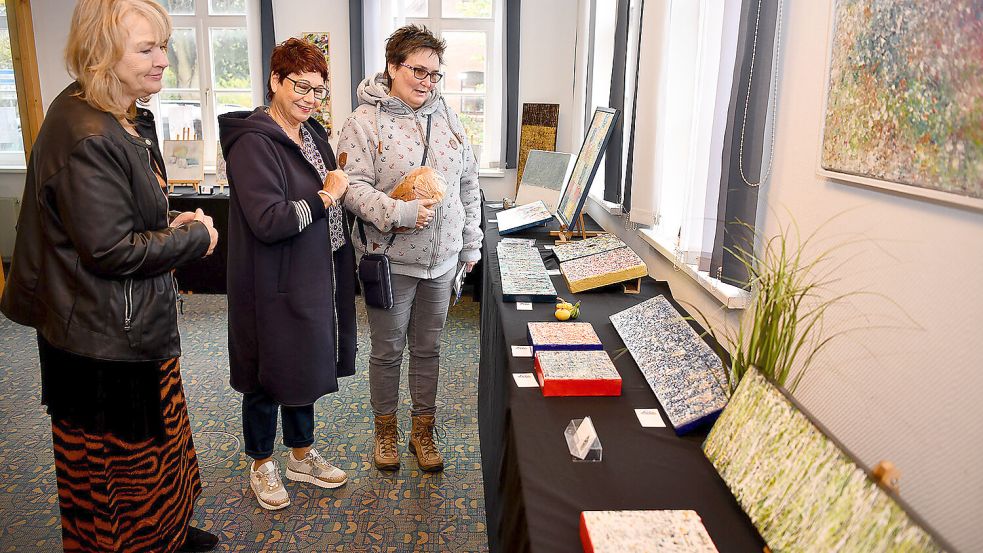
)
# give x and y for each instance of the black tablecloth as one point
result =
(206, 275)
(534, 493)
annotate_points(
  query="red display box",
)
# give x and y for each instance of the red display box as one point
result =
(577, 373)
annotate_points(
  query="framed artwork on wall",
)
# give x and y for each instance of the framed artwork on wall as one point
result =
(578, 184)
(538, 131)
(323, 42)
(183, 160)
(902, 109)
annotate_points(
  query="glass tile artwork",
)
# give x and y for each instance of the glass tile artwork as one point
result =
(577, 365)
(562, 335)
(601, 269)
(523, 217)
(801, 491)
(645, 532)
(590, 246)
(524, 276)
(685, 374)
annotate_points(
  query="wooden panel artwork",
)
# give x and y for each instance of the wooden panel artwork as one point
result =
(539, 122)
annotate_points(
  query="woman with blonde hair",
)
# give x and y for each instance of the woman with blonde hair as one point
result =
(91, 271)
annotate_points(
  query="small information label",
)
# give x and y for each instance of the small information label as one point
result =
(521, 351)
(650, 418)
(547, 247)
(492, 220)
(584, 437)
(525, 380)
(523, 306)
(553, 272)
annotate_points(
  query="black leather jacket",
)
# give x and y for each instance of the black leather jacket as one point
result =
(92, 260)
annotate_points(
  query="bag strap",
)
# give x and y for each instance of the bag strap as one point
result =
(392, 238)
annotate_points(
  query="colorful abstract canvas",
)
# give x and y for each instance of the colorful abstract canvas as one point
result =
(323, 43)
(801, 491)
(903, 100)
(644, 532)
(523, 217)
(577, 373)
(602, 269)
(524, 276)
(590, 246)
(547, 336)
(537, 132)
(683, 371)
(578, 184)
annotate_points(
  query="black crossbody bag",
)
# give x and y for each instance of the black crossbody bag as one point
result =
(373, 268)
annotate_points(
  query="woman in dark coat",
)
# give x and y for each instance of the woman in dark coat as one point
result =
(291, 271)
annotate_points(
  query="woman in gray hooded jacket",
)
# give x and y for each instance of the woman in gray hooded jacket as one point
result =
(402, 123)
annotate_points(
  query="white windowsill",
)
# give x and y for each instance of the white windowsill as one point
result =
(731, 297)
(491, 173)
(13, 168)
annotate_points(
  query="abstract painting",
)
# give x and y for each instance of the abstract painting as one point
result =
(644, 532)
(578, 185)
(183, 160)
(546, 336)
(680, 368)
(538, 131)
(801, 491)
(602, 269)
(544, 177)
(523, 217)
(577, 373)
(904, 101)
(323, 115)
(524, 276)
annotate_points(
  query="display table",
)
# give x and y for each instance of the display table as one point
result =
(534, 493)
(206, 275)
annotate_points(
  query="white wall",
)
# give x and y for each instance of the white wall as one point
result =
(294, 17)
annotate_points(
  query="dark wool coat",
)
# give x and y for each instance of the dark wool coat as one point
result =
(291, 302)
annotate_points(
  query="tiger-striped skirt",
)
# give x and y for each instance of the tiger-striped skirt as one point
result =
(118, 495)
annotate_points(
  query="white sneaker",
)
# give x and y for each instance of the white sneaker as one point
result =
(313, 469)
(266, 484)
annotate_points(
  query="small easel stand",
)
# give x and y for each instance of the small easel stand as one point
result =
(171, 183)
(565, 235)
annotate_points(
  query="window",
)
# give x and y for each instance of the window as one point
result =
(472, 85)
(209, 71)
(11, 140)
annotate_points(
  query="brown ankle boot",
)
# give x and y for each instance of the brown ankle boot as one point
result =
(422, 444)
(386, 452)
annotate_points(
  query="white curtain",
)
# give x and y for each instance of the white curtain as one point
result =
(692, 78)
(647, 162)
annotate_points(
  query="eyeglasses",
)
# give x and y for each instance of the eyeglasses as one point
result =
(303, 87)
(421, 73)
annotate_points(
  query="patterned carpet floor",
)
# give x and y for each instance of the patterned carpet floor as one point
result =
(408, 510)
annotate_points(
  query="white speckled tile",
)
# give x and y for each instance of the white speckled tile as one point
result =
(647, 532)
(683, 371)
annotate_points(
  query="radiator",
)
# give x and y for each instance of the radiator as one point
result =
(9, 208)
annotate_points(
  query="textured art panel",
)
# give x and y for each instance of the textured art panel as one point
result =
(524, 276)
(905, 94)
(545, 336)
(323, 115)
(644, 532)
(538, 131)
(590, 246)
(800, 490)
(602, 269)
(685, 374)
(577, 373)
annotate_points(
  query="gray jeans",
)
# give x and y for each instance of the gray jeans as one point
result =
(418, 315)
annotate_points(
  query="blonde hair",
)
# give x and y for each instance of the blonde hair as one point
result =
(96, 43)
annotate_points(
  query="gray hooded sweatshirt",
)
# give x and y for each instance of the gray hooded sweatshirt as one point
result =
(384, 139)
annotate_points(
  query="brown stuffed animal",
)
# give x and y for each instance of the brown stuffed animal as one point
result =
(422, 183)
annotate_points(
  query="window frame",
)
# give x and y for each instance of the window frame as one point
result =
(493, 94)
(202, 23)
(13, 158)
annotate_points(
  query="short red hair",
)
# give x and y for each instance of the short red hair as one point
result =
(296, 55)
